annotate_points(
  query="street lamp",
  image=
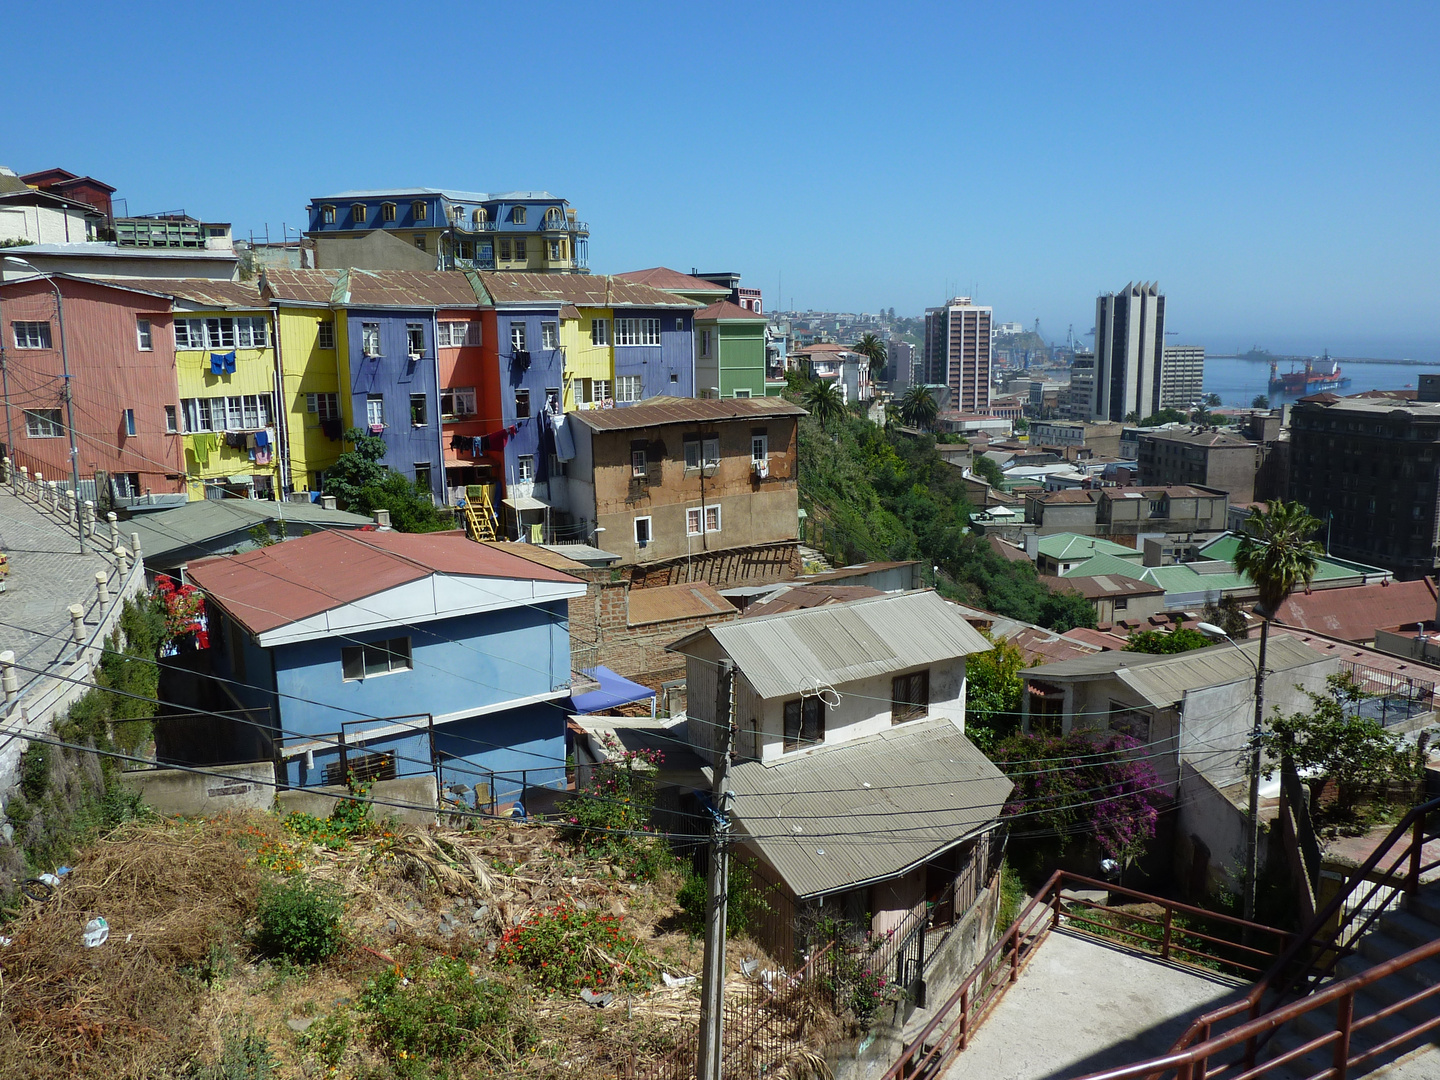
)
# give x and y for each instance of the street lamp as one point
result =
(15, 260)
(1252, 832)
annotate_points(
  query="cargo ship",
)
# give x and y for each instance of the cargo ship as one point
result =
(1310, 381)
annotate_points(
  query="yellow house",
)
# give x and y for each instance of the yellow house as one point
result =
(313, 369)
(225, 371)
(585, 334)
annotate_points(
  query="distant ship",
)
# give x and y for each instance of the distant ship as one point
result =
(1298, 383)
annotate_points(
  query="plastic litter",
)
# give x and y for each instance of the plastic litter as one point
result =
(590, 997)
(97, 932)
(49, 879)
(5, 941)
(673, 981)
(747, 967)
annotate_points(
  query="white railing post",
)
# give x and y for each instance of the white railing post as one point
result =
(8, 677)
(114, 521)
(77, 623)
(122, 563)
(102, 589)
(87, 519)
(135, 547)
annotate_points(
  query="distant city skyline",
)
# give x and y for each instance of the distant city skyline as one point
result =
(1273, 167)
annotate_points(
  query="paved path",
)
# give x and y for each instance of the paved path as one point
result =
(1082, 1006)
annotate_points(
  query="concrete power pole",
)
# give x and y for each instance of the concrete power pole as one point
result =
(712, 976)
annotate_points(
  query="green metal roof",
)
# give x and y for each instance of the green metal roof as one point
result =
(1075, 546)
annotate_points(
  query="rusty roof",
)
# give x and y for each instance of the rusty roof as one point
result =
(304, 286)
(537, 554)
(582, 290)
(692, 600)
(372, 288)
(795, 597)
(205, 291)
(662, 277)
(727, 310)
(277, 585)
(659, 411)
(1355, 613)
(1102, 585)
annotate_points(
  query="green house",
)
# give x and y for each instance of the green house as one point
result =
(729, 352)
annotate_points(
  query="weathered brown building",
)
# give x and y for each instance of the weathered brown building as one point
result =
(1215, 459)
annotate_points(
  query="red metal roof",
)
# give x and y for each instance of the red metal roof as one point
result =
(796, 597)
(284, 583)
(658, 411)
(662, 277)
(1355, 613)
(583, 290)
(727, 310)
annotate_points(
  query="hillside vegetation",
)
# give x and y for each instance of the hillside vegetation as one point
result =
(877, 494)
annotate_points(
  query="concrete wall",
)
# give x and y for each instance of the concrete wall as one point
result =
(1209, 836)
(418, 792)
(174, 792)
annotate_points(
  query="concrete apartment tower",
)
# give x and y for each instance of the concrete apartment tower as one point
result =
(957, 353)
(1182, 376)
(1129, 350)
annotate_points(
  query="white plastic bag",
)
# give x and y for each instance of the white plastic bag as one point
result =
(97, 932)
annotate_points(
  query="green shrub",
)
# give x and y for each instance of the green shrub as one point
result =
(442, 1013)
(35, 772)
(566, 948)
(300, 919)
(244, 1055)
(746, 907)
(328, 1038)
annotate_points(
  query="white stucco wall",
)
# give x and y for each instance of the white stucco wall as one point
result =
(43, 225)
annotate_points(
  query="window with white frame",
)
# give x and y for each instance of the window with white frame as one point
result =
(693, 522)
(517, 337)
(742, 392)
(325, 334)
(642, 531)
(759, 448)
(525, 468)
(596, 390)
(452, 335)
(638, 466)
(220, 333)
(358, 662)
(44, 424)
(143, 340)
(172, 420)
(517, 215)
(711, 448)
(549, 335)
(457, 401)
(370, 338)
(189, 333)
(599, 331)
(127, 420)
(245, 412)
(712, 518)
(323, 406)
(375, 410)
(627, 388)
(252, 332)
(637, 331)
(705, 342)
(415, 338)
(32, 335)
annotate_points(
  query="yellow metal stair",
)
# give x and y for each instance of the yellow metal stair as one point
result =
(479, 513)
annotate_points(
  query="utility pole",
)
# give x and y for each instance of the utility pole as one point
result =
(712, 975)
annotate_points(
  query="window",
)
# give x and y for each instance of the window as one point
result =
(370, 338)
(220, 333)
(252, 332)
(520, 252)
(375, 410)
(142, 335)
(32, 335)
(517, 337)
(422, 474)
(127, 485)
(712, 518)
(454, 334)
(415, 338)
(172, 420)
(552, 399)
(705, 342)
(549, 335)
(358, 213)
(693, 521)
(804, 722)
(378, 658)
(249, 412)
(599, 331)
(189, 333)
(420, 241)
(637, 331)
(457, 401)
(327, 214)
(679, 326)
(387, 211)
(637, 464)
(522, 403)
(525, 468)
(642, 531)
(760, 448)
(197, 414)
(504, 248)
(595, 390)
(909, 696)
(554, 250)
(420, 210)
(43, 424)
(743, 392)
(325, 334)
(324, 406)
(627, 388)
(517, 215)
(712, 452)
(480, 215)
(127, 420)
(418, 411)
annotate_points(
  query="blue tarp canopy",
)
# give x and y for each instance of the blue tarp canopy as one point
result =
(615, 690)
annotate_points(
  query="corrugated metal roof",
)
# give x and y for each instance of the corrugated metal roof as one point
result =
(894, 798)
(1074, 546)
(791, 652)
(373, 288)
(212, 519)
(800, 597)
(210, 293)
(656, 412)
(662, 277)
(582, 290)
(305, 286)
(725, 309)
(692, 600)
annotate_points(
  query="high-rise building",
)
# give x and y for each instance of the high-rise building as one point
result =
(1078, 403)
(1129, 350)
(1182, 376)
(957, 353)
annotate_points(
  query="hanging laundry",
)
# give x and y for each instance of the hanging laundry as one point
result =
(235, 440)
(332, 428)
(250, 440)
(262, 440)
(262, 456)
(477, 446)
(222, 363)
(564, 440)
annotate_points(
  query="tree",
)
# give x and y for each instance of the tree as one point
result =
(1181, 639)
(823, 399)
(362, 485)
(1335, 742)
(992, 694)
(1227, 614)
(1260, 401)
(1212, 401)
(873, 349)
(1164, 416)
(987, 470)
(918, 407)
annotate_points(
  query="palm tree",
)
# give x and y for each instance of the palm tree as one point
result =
(873, 349)
(918, 407)
(823, 399)
(1277, 554)
(892, 415)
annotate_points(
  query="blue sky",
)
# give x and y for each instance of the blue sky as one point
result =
(1273, 166)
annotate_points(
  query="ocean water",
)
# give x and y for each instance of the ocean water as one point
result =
(1238, 381)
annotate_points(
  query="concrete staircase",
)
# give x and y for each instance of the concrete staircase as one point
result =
(1395, 933)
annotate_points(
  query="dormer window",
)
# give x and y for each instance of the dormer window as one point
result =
(420, 209)
(517, 215)
(358, 213)
(553, 217)
(479, 215)
(387, 211)
(327, 214)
